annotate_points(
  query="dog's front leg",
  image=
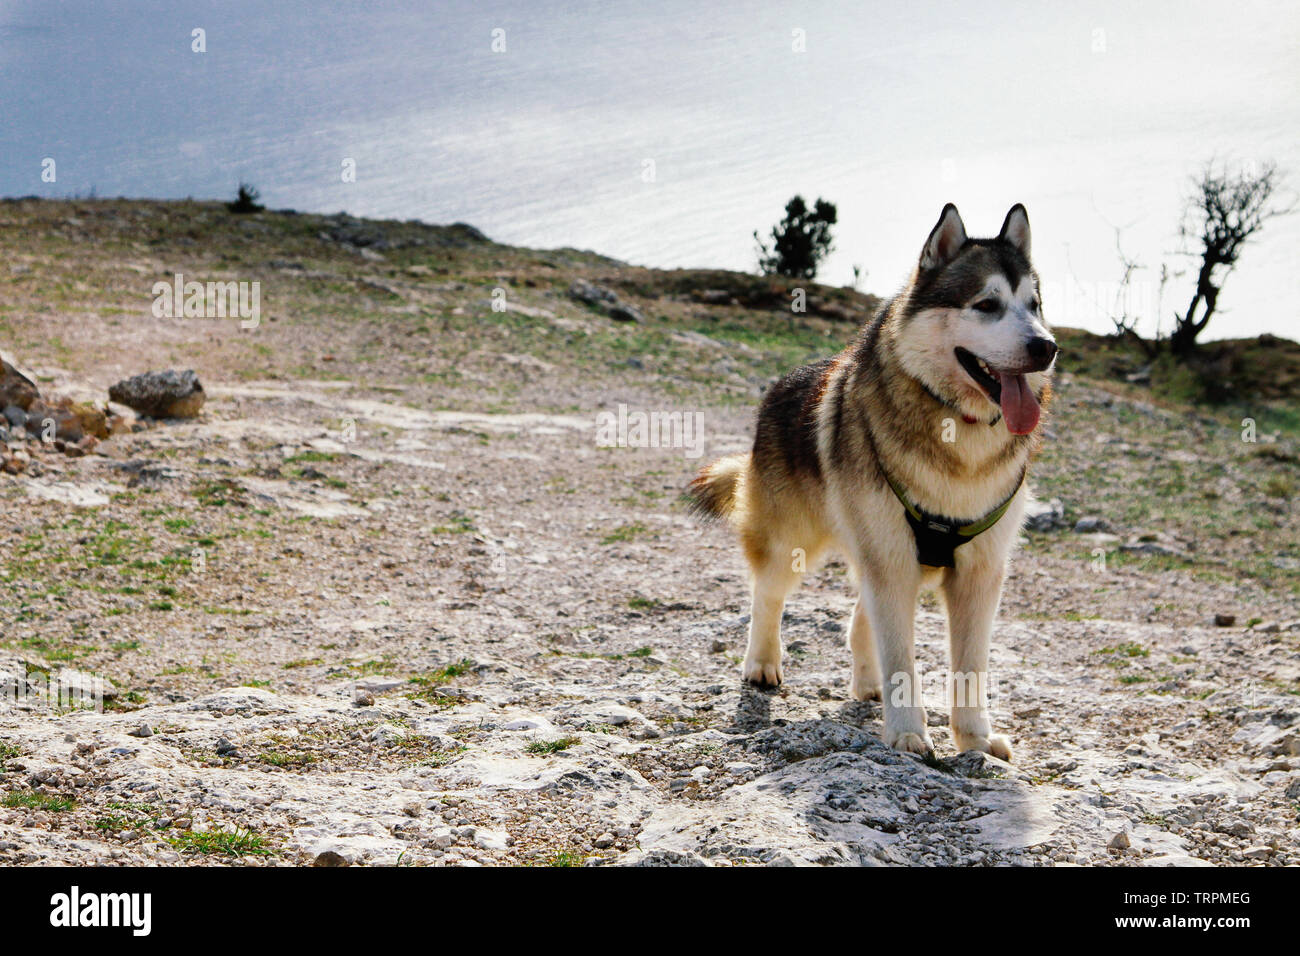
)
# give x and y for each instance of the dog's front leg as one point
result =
(971, 593)
(889, 596)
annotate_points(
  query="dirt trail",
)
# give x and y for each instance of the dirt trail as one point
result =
(575, 642)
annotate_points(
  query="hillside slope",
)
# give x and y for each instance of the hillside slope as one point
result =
(387, 600)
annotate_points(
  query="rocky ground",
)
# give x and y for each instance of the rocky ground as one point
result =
(386, 601)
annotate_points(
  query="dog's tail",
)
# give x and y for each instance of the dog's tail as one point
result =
(715, 492)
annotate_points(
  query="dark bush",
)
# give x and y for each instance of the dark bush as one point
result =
(800, 241)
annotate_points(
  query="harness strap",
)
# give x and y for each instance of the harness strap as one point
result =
(937, 537)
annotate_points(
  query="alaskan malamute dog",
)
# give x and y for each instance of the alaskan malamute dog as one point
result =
(907, 453)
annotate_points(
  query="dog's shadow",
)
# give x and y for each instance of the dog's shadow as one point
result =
(754, 709)
(844, 731)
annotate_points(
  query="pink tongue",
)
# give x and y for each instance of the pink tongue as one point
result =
(1019, 405)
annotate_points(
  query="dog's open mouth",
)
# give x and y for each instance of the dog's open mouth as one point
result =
(1008, 390)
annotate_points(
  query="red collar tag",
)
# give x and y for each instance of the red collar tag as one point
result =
(969, 419)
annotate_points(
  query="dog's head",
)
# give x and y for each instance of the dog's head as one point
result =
(971, 327)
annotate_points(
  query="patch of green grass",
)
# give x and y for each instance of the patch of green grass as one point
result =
(219, 493)
(444, 675)
(220, 843)
(1279, 486)
(548, 747)
(565, 858)
(367, 668)
(641, 652)
(137, 816)
(460, 523)
(643, 604)
(124, 703)
(624, 532)
(32, 800)
(428, 684)
(441, 758)
(8, 752)
(279, 758)
(1125, 649)
(311, 456)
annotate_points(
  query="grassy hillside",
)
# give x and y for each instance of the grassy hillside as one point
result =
(406, 308)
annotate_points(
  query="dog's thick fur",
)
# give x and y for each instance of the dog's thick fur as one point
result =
(898, 397)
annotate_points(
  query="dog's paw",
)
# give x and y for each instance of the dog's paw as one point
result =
(994, 744)
(864, 687)
(761, 672)
(909, 742)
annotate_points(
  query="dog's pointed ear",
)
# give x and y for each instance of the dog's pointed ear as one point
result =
(945, 240)
(1015, 229)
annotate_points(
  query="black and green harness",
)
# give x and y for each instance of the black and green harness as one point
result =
(937, 537)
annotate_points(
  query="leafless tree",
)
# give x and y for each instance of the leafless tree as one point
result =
(1225, 210)
(1121, 310)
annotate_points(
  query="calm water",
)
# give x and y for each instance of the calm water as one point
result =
(1094, 117)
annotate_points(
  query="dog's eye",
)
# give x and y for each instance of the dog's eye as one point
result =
(987, 306)
(1033, 304)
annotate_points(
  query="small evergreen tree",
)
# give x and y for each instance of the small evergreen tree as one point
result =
(245, 200)
(800, 241)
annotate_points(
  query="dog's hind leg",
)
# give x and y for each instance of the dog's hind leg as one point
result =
(762, 664)
(971, 593)
(865, 684)
(774, 578)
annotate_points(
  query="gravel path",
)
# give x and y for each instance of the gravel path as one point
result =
(475, 638)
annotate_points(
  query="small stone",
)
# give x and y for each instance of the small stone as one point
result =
(526, 723)
(165, 394)
(16, 388)
(1091, 524)
(330, 858)
(1225, 620)
(15, 416)
(490, 839)
(1119, 841)
(717, 647)
(592, 294)
(604, 841)
(1044, 515)
(625, 313)
(1257, 852)
(144, 730)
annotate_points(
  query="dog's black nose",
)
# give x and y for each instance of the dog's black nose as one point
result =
(1041, 351)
